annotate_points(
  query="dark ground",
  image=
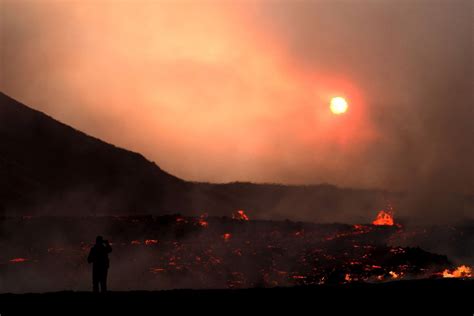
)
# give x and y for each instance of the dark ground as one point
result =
(433, 297)
(185, 254)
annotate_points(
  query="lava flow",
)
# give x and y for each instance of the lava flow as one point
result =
(18, 260)
(240, 215)
(150, 242)
(460, 272)
(202, 221)
(384, 218)
(159, 252)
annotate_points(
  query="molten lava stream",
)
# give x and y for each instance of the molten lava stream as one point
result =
(460, 272)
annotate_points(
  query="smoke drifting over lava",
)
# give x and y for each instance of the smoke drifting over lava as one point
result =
(174, 251)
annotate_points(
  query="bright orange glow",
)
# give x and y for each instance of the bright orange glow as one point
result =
(384, 218)
(157, 270)
(226, 236)
(202, 222)
(348, 277)
(150, 242)
(394, 275)
(338, 105)
(460, 272)
(240, 215)
(219, 67)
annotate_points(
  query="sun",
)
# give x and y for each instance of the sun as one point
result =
(338, 105)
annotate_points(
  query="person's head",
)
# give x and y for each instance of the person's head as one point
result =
(99, 240)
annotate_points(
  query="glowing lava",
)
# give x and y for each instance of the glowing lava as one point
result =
(394, 275)
(384, 218)
(226, 236)
(240, 215)
(460, 272)
(150, 242)
(338, 105)
(202, 221)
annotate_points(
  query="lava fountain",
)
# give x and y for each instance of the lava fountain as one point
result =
(384, 218)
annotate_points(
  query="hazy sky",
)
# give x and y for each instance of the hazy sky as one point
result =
(239, 90)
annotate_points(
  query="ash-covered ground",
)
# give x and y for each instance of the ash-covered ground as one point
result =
(42, 254)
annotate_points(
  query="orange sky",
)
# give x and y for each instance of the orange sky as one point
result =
(223, 91)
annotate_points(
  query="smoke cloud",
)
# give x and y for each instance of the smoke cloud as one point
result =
(224, 91)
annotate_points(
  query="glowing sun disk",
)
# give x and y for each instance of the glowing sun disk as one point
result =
(338, 105)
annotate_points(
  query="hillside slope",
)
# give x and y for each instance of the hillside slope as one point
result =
(50, 168)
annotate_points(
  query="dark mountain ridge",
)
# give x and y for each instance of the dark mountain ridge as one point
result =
(49, 167)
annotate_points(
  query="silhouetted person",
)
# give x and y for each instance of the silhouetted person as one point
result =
(99, 257)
